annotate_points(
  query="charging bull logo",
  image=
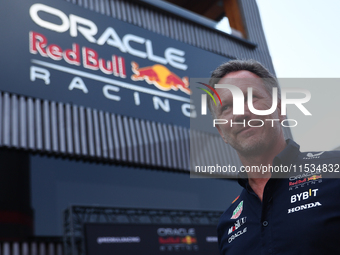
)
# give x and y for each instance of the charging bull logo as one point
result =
(189, 240)
(161, 77)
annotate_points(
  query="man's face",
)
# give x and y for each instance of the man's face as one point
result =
(247, 140)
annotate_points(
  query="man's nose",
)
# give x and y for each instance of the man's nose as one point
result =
(246, 116)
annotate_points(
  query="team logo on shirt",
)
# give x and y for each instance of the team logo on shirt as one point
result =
(237, 225)
(306, 181)
(235, 199)
(313, 156)
(305, 175)
(303, 195)
(237, 212)
(304, 207)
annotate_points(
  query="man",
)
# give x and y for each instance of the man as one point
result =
(297, 212)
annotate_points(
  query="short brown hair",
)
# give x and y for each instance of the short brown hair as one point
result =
(252, 66)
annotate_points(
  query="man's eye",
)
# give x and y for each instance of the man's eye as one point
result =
(225, 107)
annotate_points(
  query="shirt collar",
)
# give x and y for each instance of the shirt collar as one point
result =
(285, 157)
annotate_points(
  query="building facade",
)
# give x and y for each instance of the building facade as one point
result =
(95, 106)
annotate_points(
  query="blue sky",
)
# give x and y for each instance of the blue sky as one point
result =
(303, 36)
(304, 41)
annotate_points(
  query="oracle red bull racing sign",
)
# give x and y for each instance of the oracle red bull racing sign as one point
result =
(70, 54)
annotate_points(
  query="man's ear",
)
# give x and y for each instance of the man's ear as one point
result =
(221, 133)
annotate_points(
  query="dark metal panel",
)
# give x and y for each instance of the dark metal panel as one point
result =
(146, 18)
(219, 45)
(83, 136)
(156, 143)
(47, 126)
(54, 126)
(199, 149)
(123, 10)
(115, 137)
(184, 159)
(61, 125)
(194, 156)
(118, 10)
(219, 152)
(97, 7)
(171, 28)
(199, 36)
(30, 126)
(107, 7)
(122, 146)
(209, 144)
(97, 138)
(212, 41)
(134, 140)
(178, 147)
(167, 146)
(91, 4)
(76, 130)
(186, 136)
(184, 153)
(172, 146)
(187, 32)
(68, 125)
(206, 41)
(204, 152)
(139, 18)
(151, 143)
(103, 135)
(225, 152)
(166, 30)
(128, 12)
(192, 34)
(179, 29)
(152, 21)
(184, 33)
(209, 138)
(90, 138)
(7, 120)
(157, 23)
(113, 9)
(38, 124)
(162, 24)
(110, 148)
(134, 12)
(146, 142)
(23, 122)
(140, 141)
(162, 145)
(128, 139)
(215, 43)
(14, 121)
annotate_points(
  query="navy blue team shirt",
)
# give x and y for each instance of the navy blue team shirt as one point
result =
(299, 214)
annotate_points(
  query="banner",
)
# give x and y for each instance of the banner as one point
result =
(59, 51)
(151, 239)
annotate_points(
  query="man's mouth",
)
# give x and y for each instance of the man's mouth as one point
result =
(243, 130)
